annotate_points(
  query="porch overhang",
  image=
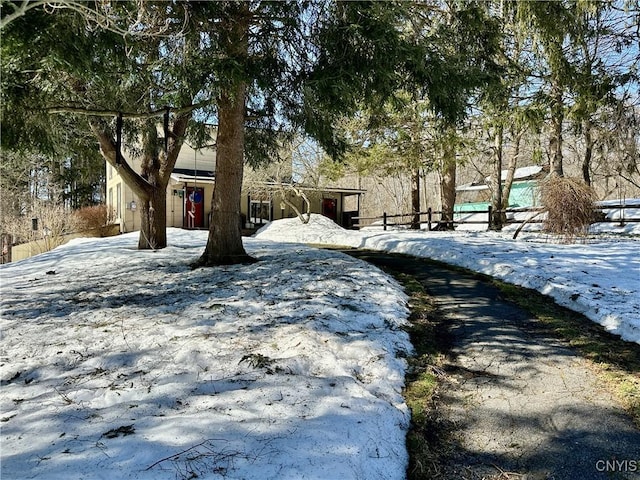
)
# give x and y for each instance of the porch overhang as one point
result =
(199, 177)
(309, 188)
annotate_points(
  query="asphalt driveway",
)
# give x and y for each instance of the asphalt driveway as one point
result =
(521, 404)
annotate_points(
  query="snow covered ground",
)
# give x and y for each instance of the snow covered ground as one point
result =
(599, 277)
(122, 364)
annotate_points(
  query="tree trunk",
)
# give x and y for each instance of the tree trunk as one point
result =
(415, 199)
(150, 186)
(224, 245)
(153, 208)
(496, 182)
(448, 188)
(153, 216)
(511, 170)
(588, 153)
(555, 140)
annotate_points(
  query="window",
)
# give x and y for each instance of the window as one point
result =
(119, 200)
(260, 211)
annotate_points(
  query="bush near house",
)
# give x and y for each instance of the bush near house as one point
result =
(97, 217)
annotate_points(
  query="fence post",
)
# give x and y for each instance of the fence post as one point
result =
(7, 243)
(384, 221)
(429, 213)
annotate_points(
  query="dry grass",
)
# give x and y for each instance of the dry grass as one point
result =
(570, 206)
(428, 439)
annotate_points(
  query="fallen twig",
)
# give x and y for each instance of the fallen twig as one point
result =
(175, 456)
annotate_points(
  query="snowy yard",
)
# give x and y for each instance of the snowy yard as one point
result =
(122, 364)
(128, 364)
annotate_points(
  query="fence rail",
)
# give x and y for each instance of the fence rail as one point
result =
(417, 218)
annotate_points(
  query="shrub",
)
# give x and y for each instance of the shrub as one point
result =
(570, 206)
(91, 218)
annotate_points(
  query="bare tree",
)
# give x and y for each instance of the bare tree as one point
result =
(146, 20)
(45, 224)
(297, 171)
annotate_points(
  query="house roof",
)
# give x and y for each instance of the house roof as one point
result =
(524, 173)
(203, 158)
(182, 176)
(472, 187)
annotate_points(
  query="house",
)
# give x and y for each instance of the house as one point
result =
(191, 187)
(476, 196)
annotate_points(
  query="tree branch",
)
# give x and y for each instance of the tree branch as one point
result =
(143, 24)
(139, 185)
(18, 10)
(304, 217)
(175, 141)
(178, 111)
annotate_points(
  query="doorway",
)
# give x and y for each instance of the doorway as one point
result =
(330, 208)
(194, 208)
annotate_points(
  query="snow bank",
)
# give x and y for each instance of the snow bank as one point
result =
(319, 230)
(126, 364)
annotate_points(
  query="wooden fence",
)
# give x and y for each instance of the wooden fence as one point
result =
(13, 253)
(433, 218)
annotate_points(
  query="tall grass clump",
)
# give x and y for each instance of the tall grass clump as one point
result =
(570, 206)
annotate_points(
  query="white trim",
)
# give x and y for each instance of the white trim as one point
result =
(180, 178)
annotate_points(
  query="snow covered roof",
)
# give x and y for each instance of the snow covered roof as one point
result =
(472, 187)
(524, 172)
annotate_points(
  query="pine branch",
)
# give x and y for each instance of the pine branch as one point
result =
(131, 115)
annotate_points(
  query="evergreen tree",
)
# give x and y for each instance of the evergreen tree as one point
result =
(310, 64)
(415, 131)
(70, 78)
(254, 69)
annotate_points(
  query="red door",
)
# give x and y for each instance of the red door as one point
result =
(330, 208)
(194, 208)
